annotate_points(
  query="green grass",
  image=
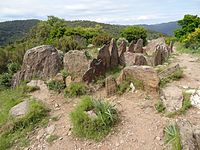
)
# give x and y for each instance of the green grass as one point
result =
(55, 85)
(186, 105)
(177, 75)
(160, 107)
(172, 137)
(15, 131)
(75, 89)
(95, 127)
(115, 72)
(52, 138)
(180, 48)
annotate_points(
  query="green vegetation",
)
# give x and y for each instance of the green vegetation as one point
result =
(160, 107)
(75, 89)
(189, 34)
(182, 49)
(52, 138)
(172, 137)
(175, 76)
(93, 119)
(56, 85)
(134, 33)
(15, 131)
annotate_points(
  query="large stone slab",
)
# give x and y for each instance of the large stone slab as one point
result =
(76, 63)
(146, 74)
(169, 71)
(39, 62)
(172, 98)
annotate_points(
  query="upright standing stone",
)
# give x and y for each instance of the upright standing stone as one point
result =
(111, 86)
(139, 46)
(104, 55)
(121, 51)
(131, 47)
(113, 54)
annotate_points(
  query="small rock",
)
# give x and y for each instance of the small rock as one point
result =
(158, 138)
(132, 87)
(20, 110)
(60, 138)
(195, 99)
(56, 105)
(50, 129)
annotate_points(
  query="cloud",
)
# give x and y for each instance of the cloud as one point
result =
(107, 11)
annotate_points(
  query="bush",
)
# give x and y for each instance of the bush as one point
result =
(56, 85)
(64, 73)
(134, 33)
(193, 40)
(13, 67)
(5, 80)
(76, 89)
(172, 137)
(101, 39)
(93, 119)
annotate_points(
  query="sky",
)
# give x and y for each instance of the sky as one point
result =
(124, 12)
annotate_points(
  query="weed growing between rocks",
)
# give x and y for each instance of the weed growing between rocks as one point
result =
(93, 119)
(172, 137)
(75, 89)
(55, 85)
(160, 107)
(125, 85)
(174, 77)
(52, 138)
(14, 131)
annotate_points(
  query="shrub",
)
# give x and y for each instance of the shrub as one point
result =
(56, 85)
(96, 124)
(172, 136)
(101, 39)
(13, 67)
(76, 89)
(134, 33)
(160, 106)
(64, 73)
(5, 80)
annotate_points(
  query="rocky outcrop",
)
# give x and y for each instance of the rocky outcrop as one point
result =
(121, 51)
(189, 135)
(151, 46)
(20, 110)
(131, 47)
(104, 55)
(172, 98)
(111, 86)
(146, 74)
(139, 46)
(76, 63)
(96, 69)
(113, 54)
(40, 62)
(195, 99)
(134, 59)
(169, 71)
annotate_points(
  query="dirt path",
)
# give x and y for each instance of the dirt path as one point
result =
(141, 127)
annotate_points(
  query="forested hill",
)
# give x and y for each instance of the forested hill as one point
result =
(11, 31)
(165, 28)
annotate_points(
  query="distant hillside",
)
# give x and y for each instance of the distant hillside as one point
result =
(165, 28)
(11, 31)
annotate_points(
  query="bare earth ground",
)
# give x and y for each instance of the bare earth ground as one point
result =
(141, 127)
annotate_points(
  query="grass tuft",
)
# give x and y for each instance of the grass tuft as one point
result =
(172, 137)
(75, 89)
(99, 124)
(55, 85)
(160, 107)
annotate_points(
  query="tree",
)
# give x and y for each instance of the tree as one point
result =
(188, 25)
(193, 39)
(134, 33)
